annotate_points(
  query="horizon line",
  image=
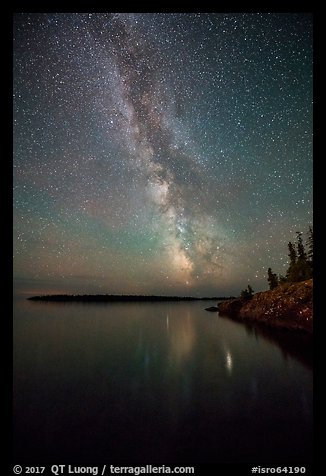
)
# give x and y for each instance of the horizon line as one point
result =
(121, 297)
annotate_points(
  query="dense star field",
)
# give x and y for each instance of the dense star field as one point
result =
(159, 153)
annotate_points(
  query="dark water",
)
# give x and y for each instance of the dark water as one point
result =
(155, 383)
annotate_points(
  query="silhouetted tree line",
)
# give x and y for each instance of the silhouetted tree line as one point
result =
(120, 298)
(300, 262)
(247, 293)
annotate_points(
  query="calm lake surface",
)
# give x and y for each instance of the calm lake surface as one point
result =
(161, 383)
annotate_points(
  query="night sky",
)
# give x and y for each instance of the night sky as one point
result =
(159, 153)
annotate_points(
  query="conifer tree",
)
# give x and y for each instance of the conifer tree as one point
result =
(290, 275)
(299, 267)
(281, 279)
(300, 262)
(272, 279)
(310, 244)
(247, 293)
(300, 248)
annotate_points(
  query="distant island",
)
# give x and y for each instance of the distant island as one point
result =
(120, 298)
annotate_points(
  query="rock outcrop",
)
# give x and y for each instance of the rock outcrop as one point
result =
(289, 306)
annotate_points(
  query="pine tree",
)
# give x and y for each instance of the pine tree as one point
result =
(304, 269)
(281, 279)
(247, 293)
(272, 279)
(310, 244)
(290, 274)
(300, 262)
(300, 248)
(299, 267)
(250, 290)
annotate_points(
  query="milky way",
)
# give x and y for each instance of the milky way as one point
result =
(159, 153)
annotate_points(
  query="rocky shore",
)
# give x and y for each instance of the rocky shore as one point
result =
(287, 306)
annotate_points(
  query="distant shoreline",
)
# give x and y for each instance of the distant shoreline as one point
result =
(120, 298)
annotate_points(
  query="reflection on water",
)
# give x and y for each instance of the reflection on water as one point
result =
(228, 361)
(154, 383)
(181, 339)
(298, 345)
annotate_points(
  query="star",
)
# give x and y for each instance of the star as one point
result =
(149, 145)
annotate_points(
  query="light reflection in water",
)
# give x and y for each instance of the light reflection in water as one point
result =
(159, 379)
(228, 362)
(181, 339)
